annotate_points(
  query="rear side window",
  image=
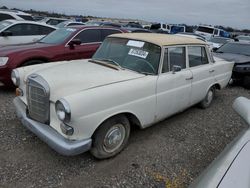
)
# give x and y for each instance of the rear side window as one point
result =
(71, 24)
(197, 56)
(5, 17)
(177, 56)
(43, 30)
(89, 36)
(107, 32)
(29, 29)
(25, 17)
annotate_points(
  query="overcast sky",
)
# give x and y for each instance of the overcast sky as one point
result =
(235, 13)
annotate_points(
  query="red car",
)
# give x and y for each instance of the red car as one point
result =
(63, 44)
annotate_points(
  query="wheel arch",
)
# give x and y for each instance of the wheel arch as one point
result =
(132, 118)
(33, 59)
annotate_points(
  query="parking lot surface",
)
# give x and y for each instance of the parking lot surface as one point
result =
(171, 153)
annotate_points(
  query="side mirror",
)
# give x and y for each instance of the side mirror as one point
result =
(74, 42)
(242, 106)
(6, 33)
(214, 49)
(176, 68)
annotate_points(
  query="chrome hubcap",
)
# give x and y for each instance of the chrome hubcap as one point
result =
(114, 138)
(209, 97)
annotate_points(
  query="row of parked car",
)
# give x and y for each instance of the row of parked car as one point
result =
(105, 80)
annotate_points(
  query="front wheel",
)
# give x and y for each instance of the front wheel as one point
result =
(206, 102)
(111, 137)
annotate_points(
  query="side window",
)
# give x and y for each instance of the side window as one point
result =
(24, 29)
(177, 56)
(164, 26)
(42, 30)
(89, 36)
(5, 17)
(197, 56)
(165, 67)
(107, 32)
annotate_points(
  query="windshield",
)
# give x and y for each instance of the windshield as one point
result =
(58, 36)
(219, 40)
(205, 29)
(4, 24)
(235, 48)
(142, 57)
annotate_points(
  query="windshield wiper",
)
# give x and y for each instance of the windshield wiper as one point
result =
(110, 61)
(147, 73)
(99, 62)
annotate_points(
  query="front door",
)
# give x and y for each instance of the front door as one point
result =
(173, 89)
(91, 40)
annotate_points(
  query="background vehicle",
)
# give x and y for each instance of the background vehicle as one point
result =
(243, 38)
(239, 52)
(69, 23)
(53, 21)
(133, 79)
(231, 168)
(102, 23)
(6, 14)
(62, 44)
(209, 31)
(218, 41)
(21, 32)
(159, 26)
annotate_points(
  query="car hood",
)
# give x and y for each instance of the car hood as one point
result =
(237, 58)
(74, 76)
(5, 50)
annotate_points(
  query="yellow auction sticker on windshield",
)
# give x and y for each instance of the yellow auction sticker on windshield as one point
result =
(138, 53)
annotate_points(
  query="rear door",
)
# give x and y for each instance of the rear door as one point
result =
(173, 89)
(202, 70)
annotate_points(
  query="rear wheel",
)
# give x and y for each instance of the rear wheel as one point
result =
(246, 82)
(111, 137)
(206, 102)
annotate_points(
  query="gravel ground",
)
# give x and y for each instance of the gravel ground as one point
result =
(169, 154)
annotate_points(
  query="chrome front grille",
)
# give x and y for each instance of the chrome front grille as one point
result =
(38, 99)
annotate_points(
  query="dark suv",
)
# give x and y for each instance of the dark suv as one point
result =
(239, 52)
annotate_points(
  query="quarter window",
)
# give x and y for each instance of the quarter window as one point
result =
(89, 36)
(177, 56)
(197, 56)
(29, 29)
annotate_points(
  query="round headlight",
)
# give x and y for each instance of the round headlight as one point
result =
(15, 77)
(63, 110)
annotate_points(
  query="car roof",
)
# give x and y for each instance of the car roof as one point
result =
(7, 11)
(29, 22)
(159, 39)
(80, 27)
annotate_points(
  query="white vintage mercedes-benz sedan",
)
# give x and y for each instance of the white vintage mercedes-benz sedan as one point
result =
(133, 79)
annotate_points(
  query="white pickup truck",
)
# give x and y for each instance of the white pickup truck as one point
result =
(134, 79)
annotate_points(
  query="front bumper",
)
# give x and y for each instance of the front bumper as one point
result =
(5, 76)
(51, 136)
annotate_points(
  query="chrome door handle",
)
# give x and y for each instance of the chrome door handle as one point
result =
(211, 71)
(190, 78)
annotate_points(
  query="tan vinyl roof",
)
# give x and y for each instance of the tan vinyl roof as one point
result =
(160, 39)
